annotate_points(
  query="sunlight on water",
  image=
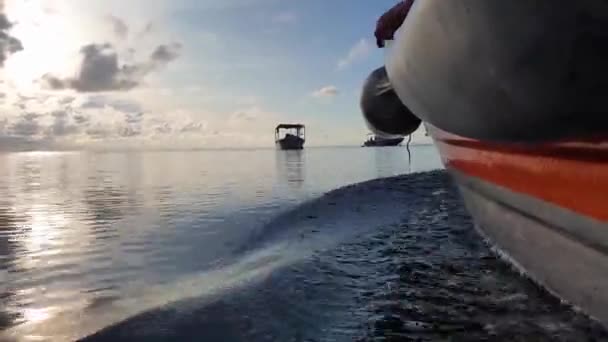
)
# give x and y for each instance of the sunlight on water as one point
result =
(81, 232)
(36, 315)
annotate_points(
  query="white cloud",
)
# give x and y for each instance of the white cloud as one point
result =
(327, 91)
(121, 30)
(118, 121)
(285, 18)
(357, 53)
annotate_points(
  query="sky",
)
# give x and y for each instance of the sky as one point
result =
(113, 74)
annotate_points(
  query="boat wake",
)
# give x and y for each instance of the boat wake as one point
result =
(293, 236)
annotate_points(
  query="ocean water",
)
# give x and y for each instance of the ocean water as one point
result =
(325, 244)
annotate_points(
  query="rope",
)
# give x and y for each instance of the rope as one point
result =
(409, 153)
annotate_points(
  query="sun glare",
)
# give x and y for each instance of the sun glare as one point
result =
(48, 42)
(36, 315)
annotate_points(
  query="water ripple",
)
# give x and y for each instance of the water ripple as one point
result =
(80, 231)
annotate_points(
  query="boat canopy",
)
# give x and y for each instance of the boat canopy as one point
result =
(289, 126)
(299, 130)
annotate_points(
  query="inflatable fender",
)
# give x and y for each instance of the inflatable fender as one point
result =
(384, 113)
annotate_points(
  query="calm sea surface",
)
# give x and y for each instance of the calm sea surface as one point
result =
(254, 245)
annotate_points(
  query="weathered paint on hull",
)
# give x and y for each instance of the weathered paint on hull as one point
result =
(544, 205)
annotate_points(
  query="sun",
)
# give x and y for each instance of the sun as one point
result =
(48, 42)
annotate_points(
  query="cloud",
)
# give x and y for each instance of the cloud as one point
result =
(327, 91)
(100, 69)
(127, 106)
(286, 17)
(121, 30)
(81, 119)
(39, 129)
(357, 53)
(119, 121)
(99, 131)
(60, 114)
(59, 121)
(165, 53)
(193, 127)
(160, 127)
(178, 124)
(8, 44)
(66, 100)
(11, 143)
(100, 102)
(3, 124)
(94, 102)
(110, 123)
(26, 126)
(134, 118)
(163, 128)
(128, 132)
(61, 125)
(148, 28)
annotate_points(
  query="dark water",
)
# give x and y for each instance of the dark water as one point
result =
(249, 246)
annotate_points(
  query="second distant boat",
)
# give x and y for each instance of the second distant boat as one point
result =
(375, 141)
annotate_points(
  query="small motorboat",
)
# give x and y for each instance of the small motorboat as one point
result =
(290, 136)
(376, 141)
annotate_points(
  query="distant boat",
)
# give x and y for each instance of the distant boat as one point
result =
(294, 137)
(380, 142)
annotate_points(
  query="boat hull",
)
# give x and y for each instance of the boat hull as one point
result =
(545, 206)
(379, 142)
(525, 82)
(291, 144)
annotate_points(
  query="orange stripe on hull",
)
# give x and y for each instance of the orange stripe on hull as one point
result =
(572, 175)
